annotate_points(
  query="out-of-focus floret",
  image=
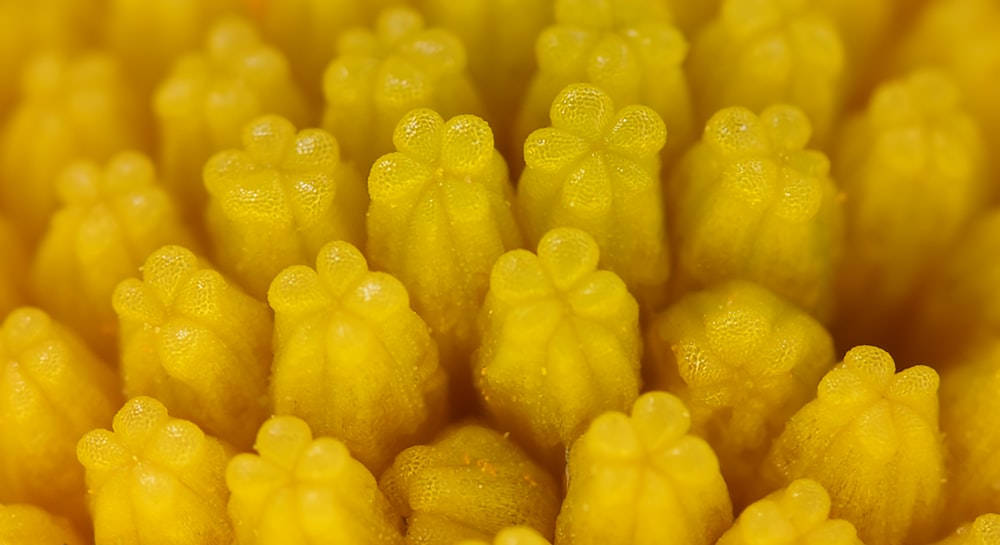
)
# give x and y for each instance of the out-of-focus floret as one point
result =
(112, 218)
(382, 74)
(53, 390)
(750, 201)
(207, 99)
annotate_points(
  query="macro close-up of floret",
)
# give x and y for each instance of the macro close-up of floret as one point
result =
(499, 272)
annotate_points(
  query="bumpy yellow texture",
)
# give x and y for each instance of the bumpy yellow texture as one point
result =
(29, 525)
(152, 469)
(871, 439)
(13, 268)
(561, 343)
(470, 483)
(750, 201)
(985, 530)
(517, 535)
(969, 406)
(278, 200)
(743, 361)
(755, 53)
(440, 216)
(597, 169)
(643, 480)
(112, 218)
(304, 491)
(352, 359)
(499, 38)
(382, 74)
(798, 514)
(52, 391)
(203, 104)
(196, 343)
(913, 166)
(626, 47)
(72, 108)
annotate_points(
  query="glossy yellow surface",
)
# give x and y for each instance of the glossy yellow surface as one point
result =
(969, 405)
(202, 105)
(634, 480)
(561, 343)
(52, 391)
(111, 219)
(300, 490)
(871, 439)
(985, 530)
(913, 165)
(751, 201)
(798, 514)
(151, 468)
(384, 72)
(516, 535)
(755, 53)
(626, 47)
(29, 525)
(470, 483)
(196, 343)
(352, 359)
(743, 361)
(275, 202)
(597, 169)
(74, 107)
(440, 216)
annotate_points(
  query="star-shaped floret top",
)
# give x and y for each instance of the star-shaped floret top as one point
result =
(750, 201)
(113, 217)
(597, 169)
(352, 359)
(761, 52)
(627, 48)
(871, 439)
(744, 361)
(52, 391)
(73, 108)
(440, 217)
(798, 514)
(203, 105)
(152, 470)
(196, 342)
(275, 202)
(629, 477)
(382, 74)
(302, 490)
